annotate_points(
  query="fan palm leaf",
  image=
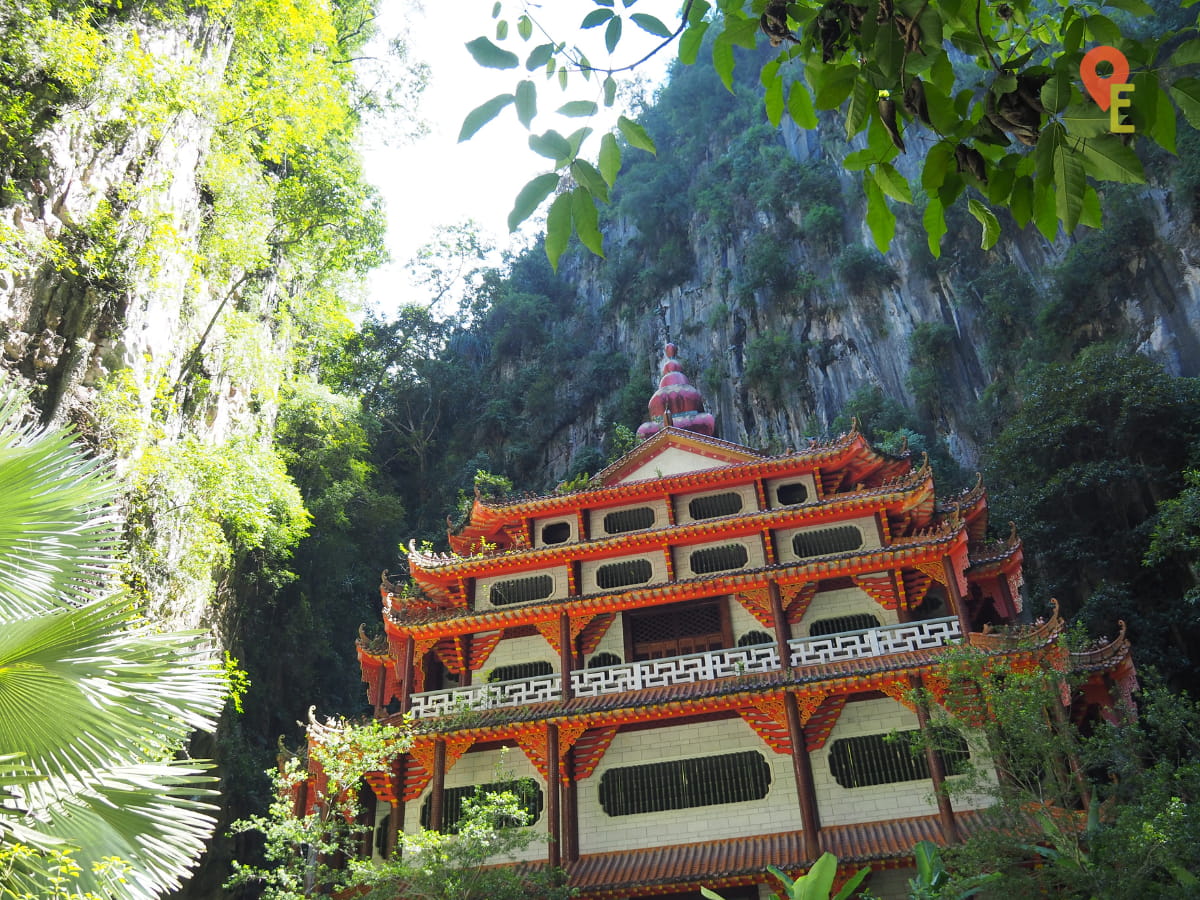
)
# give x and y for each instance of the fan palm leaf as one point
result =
(93, 703)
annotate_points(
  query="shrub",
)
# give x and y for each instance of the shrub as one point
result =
(864, 270)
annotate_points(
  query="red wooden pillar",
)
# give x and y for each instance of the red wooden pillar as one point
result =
(937, 773)
(553, 823)
(396, 819)
(806, 791)
(570, 809)
(783, 631)
(439, 785)
(566, 654)
(406, 674)
(956, 595)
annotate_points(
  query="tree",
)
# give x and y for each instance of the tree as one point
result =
(314, 836)
(94, 703)
(1107, 808)
(462, 864)
(313, 820)
(990, 91)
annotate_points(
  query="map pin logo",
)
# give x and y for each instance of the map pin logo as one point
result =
(1099, 86)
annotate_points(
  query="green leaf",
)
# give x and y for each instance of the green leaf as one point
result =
(834, 86)
(690, 41)
(1107, 159)
(1186, 92)
(482, 114)
(1085, 120)
(551, 145)
(1056, 93)
(698, 11)
(610, 90)
(800, 106)
(610, 158)
(612, 34)
(740, 32)
(585, 174)
(577, 109)
(1066, 168)
(934, 220)
(496, 8)
(501, 29)
(636, 135)
(531, 197)
(880, 218)
(1186, 54)
(710, 895)
(1103, 29)
(558, 228)
(1045, 211)
(526, 102)
(539, 56)
(938, 161)
(651, 24)
(603, 2)
(773, 100)
(576, 138)
(987, 218)
(596, 18)
(893, 183)
(850, 886)
(525, 27)
(1020, 202)
(818, 881)
(587, 220)
(722, 57)
(861, 101)
(490, 56)
(1092, 216)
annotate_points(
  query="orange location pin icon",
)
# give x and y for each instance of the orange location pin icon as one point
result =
(1098, 85)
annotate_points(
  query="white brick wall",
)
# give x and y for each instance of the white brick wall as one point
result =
(755, 554)
(740, 621)
(745, 491)
(773, 484)
(844, 602)
(483, 768)
(867, 526)
(613, 640)
(842, 806)
(672, 461)
(778, 811)
(539, 524)
(596, 528)
(483, 586)
(587, 571)
(518, 650)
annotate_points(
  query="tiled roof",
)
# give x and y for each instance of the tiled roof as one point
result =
(690, 865)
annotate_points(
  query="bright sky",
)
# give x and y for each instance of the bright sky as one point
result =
(436, 181)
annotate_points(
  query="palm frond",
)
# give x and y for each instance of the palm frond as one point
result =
(84, 689)
(58, 534)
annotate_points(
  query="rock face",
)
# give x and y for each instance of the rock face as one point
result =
(780, 352)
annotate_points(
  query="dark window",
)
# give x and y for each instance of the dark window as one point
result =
(521, 590)
(520, 671)
(791, 494)
(676, 631)
(527, 789)
(825, 541)
(556, 533)
(628, 520)
(624, 573)
(600, 660)
(838, 624)
(885, 759)
(715, 506)
(685, 783)
(718, 559)
(754, 638)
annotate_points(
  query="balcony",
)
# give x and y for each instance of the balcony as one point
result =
(710, 666)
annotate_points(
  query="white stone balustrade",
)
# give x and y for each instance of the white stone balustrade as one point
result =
(692, 667)
(874, 641)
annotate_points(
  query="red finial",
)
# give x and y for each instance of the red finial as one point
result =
(676, 403)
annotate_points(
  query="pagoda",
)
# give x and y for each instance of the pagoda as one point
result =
(693, 665)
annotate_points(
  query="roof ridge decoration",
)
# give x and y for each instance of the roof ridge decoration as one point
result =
(677, 403)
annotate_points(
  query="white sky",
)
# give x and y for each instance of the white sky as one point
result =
(437, 181)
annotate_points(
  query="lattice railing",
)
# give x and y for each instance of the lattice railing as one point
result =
(714, 664)
(875, 641)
